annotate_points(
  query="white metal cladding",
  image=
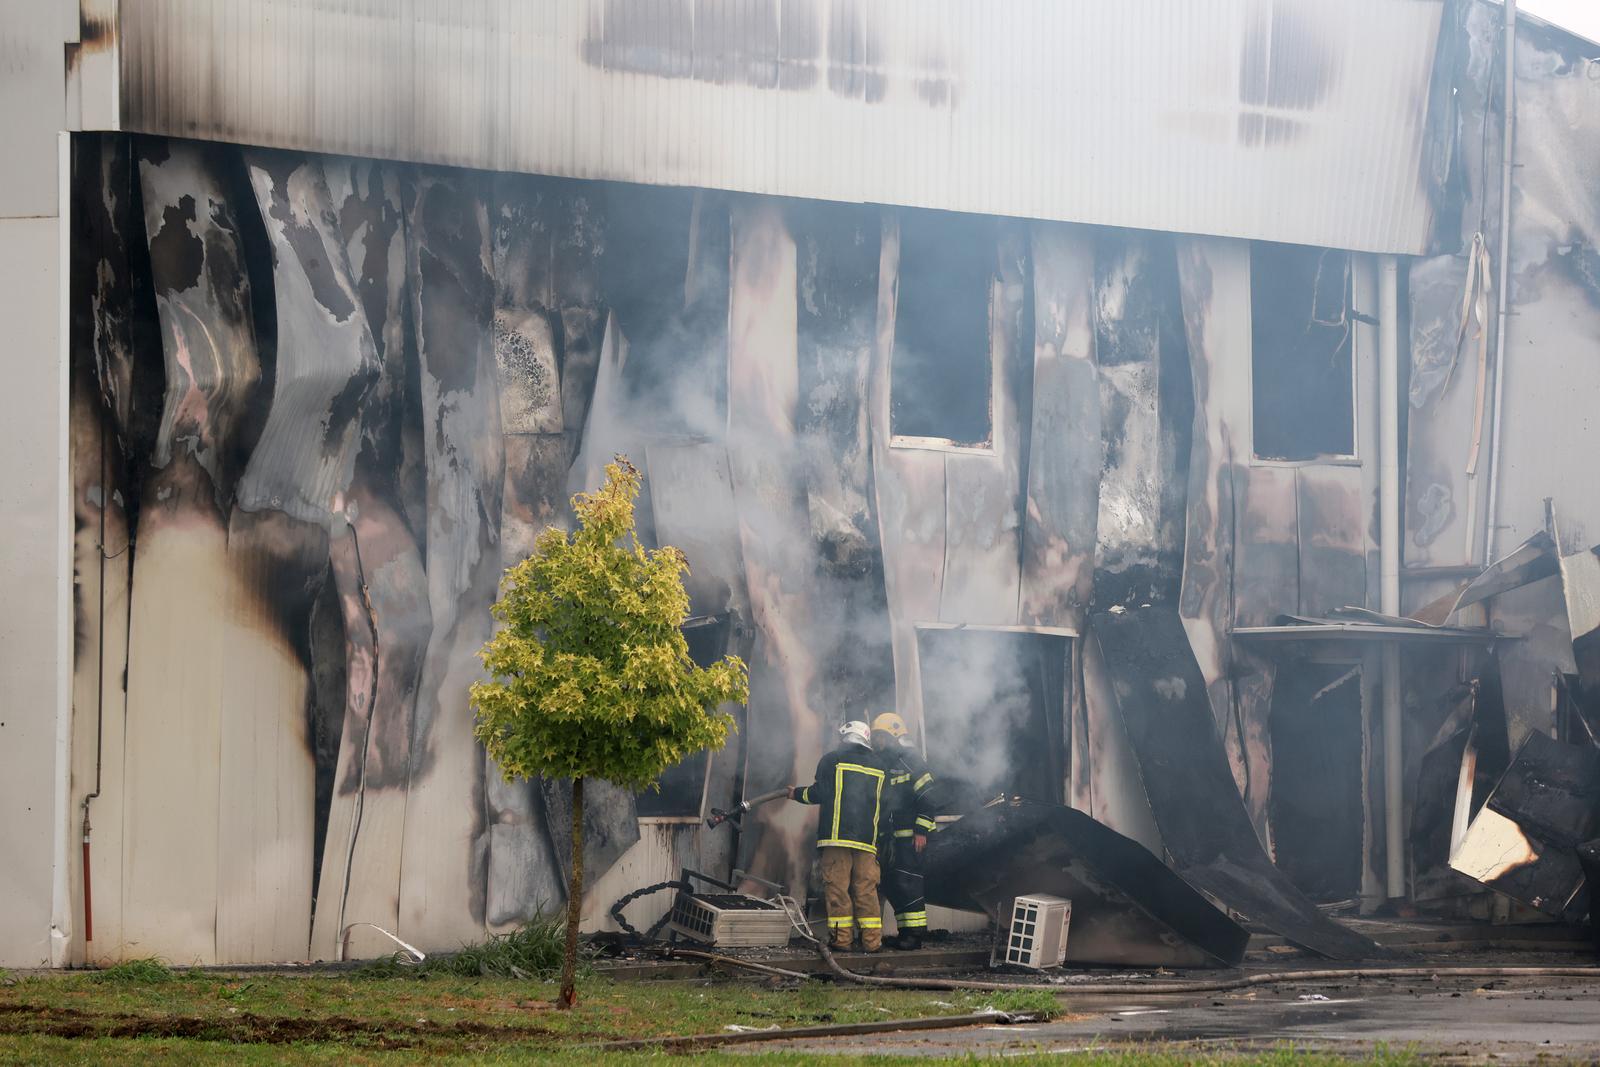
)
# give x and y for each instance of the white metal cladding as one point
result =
(1290, 120)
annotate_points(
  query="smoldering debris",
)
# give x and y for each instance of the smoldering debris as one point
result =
(1128, 908)
(1525, 842)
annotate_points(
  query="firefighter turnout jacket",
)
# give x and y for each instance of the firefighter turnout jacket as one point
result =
(849, 788)
(910, 795)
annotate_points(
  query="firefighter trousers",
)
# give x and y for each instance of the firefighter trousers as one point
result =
(850, 893)
(902, 884)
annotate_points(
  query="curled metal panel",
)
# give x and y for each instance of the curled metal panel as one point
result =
(446, 839)
(1215, 278)
(378, 574)
(182, 573)
(327, 361)
(1204, 826)
(1146, 414)
(1065, 452)
(1128, 907)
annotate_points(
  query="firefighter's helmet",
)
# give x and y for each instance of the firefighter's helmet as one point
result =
(890, 723)
(856, 732)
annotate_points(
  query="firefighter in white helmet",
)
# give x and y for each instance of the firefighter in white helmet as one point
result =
(849, 789)
(910, 798)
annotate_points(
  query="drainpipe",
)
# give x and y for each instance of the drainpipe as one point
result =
(1506, 143)
(1389, 565)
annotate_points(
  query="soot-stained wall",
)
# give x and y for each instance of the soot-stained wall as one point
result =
(319, 403)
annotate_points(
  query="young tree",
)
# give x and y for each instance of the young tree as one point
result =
(591, 675)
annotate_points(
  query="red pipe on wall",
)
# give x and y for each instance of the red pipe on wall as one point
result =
(88, 896)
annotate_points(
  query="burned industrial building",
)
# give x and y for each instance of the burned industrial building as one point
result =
(1207, 474)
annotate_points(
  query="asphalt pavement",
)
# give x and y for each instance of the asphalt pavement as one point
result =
(1508, 1020)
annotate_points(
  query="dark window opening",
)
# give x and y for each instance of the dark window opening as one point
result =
(682, 787)
(664, 272)
(1317, 820)
(1577, 705)
(992, 709)
(940, 368)
(1302, 372)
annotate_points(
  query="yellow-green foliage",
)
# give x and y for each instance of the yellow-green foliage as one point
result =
(591, 673)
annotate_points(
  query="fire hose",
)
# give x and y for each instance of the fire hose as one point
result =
(1205, 985)
(719, 816)
(655, 928)
(1122, 989)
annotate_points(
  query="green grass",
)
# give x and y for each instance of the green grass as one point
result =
(1041, 1002)
(532, 951)
(402, 1019)
(58, 1051)
(142, 971)
(155, 1015)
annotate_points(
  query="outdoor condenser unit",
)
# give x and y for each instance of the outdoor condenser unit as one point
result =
(1036, 937)
(732, 920)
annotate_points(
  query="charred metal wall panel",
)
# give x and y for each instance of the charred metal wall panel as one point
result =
(1549, 435)
(1546, 432)
(404, 371)
(1264, 537)
(1279, 108)
(1064, 447)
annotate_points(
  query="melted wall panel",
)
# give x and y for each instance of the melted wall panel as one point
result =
(1215, 279)
(1444, 504)
(442, 888)
(1064, 450)
(377, 565)
(769, 493)
(1146, 413)
(1548, 433)
(182, 575)
(837, 321)
(1115, 794)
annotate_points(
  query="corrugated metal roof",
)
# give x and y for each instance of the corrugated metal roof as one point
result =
(1290, 120)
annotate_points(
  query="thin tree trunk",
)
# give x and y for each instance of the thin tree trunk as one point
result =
(569, 961)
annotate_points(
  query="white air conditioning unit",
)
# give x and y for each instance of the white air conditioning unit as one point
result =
(1036, 937)
(730, 920)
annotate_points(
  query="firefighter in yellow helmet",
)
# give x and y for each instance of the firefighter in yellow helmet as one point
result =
(910, 797)
(849, 788)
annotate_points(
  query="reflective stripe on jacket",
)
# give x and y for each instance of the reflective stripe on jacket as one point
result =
(911, 796)
(849, 789)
